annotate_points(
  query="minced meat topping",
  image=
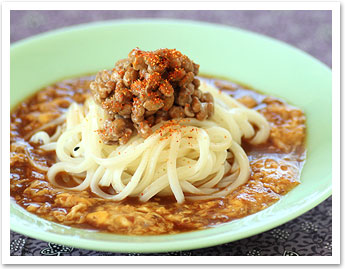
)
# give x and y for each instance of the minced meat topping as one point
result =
(146, 88)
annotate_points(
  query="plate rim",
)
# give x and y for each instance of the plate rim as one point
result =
(113, 22)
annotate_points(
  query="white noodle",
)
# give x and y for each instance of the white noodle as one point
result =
(190, 162)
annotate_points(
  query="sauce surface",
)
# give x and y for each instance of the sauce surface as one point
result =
(275, 166)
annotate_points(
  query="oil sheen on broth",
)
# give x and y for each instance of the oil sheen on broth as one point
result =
(275, 170)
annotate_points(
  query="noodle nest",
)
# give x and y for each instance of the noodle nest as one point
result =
(187, 158)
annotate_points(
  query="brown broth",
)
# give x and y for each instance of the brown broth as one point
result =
(275, 165)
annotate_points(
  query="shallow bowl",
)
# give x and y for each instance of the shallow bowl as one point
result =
(266, 64)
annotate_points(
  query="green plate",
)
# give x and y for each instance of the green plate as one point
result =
(266, 64)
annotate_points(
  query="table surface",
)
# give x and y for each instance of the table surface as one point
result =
(310, 31)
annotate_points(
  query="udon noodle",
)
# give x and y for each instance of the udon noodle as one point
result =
(188, 158)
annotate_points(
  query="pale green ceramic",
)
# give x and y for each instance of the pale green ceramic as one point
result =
(266, 64)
